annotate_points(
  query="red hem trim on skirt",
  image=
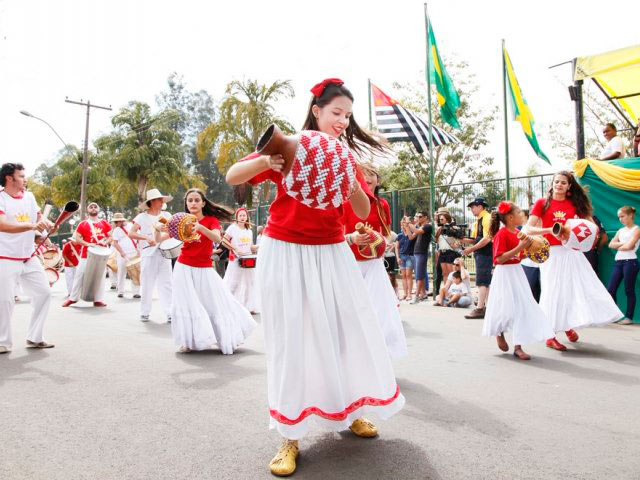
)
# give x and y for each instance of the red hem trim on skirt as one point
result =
(338, 416)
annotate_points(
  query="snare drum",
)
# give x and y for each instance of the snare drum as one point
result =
(52, 275)
(52, 258)
(248, 261)
(170, 248)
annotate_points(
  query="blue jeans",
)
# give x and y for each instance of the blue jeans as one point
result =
(407, 261)
(627, 269)
(421, 266)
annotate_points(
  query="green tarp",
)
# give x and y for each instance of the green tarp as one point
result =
(606, 202)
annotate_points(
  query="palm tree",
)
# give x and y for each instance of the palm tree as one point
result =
(145, 151)
(245, 114)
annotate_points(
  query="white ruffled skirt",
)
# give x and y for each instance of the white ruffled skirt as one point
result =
(572, 295)
(205, 313)
(241, 283)
(327, 361)
(385, 304)
(512, 308)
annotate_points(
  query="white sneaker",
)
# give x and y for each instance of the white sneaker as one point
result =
(625, 321)
(144, 318)
(168, 319)
(4, 349)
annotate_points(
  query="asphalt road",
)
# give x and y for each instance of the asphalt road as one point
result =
(114, 400)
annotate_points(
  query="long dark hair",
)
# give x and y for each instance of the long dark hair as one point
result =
(357, 139)
(497, 218)
(209, 208)
(576, 194)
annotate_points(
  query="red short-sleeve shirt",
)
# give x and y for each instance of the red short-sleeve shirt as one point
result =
(70, 251)
(198, 254)
(350, 219)
(294, 222)
(559, 211)
(95, 235)
(504, 241)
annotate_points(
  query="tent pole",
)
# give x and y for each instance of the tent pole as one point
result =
(579, 115)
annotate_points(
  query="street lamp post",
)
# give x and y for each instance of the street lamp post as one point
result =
(27, 114)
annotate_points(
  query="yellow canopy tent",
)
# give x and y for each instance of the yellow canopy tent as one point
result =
(617, 73)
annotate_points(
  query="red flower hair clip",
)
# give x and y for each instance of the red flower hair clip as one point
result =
(504, 208)
(318, 89)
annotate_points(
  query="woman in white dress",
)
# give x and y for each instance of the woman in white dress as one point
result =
(204, 312)
(241, 281)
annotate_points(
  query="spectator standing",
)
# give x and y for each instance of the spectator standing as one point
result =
(626, 243)
(421, 232)
(404, 247)
(482, 250)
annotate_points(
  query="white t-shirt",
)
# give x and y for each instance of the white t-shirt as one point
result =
(624, 235)
(125, 243)
(241, 239)
(614, 145)
(466, 283)
(146, 223)
(457, 289)
(21, 210)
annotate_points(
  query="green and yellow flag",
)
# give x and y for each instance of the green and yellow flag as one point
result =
(447, 95)
(520, 109)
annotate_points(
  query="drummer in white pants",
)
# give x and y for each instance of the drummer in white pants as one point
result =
(127, 249)
(90, 233)
(71, 257)
(155, 269)
(19, 218)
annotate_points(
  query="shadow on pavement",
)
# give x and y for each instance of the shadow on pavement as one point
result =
(19, 367)
(411, 332)
(213, 369)
(157, 329)
(577, 371)
(358, 458)
(427, 406)
(600, 351)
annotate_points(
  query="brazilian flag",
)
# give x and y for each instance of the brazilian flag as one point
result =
(447, 96)
(520, 108)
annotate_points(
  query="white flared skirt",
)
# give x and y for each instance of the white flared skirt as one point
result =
(385, 304)
(241, 283)
(327, 361)
(512, 308)
(205, 313)
(572, 295)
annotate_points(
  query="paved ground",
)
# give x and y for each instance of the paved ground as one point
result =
(114, 401)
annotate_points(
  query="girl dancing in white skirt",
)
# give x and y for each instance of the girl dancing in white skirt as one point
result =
(327, 361)
(241, 281)
(511, 306)
(381, 292)
(572, 295)
(204, 312)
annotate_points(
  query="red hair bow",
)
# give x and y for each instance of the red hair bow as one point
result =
(318, 89)
(504, 208)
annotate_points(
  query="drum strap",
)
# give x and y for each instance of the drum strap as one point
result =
(135, 244)
(383, 219)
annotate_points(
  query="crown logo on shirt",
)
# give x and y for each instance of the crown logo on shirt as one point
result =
(559, 215)
(22, 218)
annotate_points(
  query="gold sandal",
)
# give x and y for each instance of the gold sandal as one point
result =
(364, 428)
(284, 463)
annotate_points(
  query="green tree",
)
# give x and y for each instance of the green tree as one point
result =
(451, 162)
(244, 115)
(197, 111)
(145, 152)
(598, 111)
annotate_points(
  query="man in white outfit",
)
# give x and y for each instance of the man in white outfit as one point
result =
(71, 257)
(155, 269)
(20, 217)
(127, 249)
(614, 148)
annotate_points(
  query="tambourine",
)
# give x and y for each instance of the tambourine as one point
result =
(376, 247)
(182, 227)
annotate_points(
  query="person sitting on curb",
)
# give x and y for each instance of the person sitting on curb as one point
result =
(462, 301)
(457, 295)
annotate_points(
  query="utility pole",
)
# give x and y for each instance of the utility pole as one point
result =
(85, 154)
